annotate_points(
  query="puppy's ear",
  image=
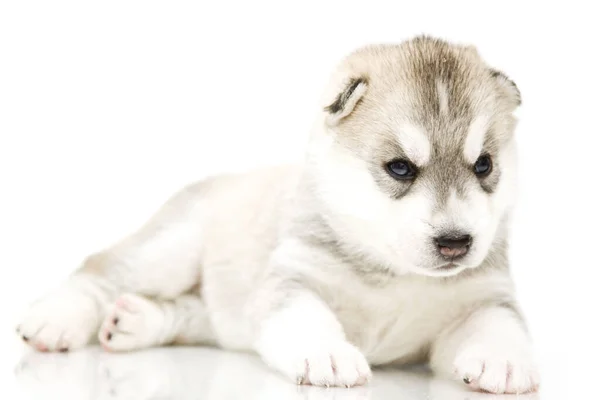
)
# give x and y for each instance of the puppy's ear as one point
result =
(507, 87)
(346, 100)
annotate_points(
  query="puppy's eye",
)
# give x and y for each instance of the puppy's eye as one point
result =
(401, 169)
(483, 166)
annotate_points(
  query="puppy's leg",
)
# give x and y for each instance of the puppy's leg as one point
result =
(490, 351)
(303, 339)
(68, 316)
(161, 260)
(135, 322)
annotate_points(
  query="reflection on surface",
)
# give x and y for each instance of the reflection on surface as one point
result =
(204, 373)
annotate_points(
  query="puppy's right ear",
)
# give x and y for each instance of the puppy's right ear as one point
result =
(346, 101)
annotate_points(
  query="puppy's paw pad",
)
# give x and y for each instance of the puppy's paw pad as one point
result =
(496, 371)
(133, 322)
(61, 321)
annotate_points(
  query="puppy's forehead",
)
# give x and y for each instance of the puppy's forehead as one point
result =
(450, 97)
(438, 81)
(431, 97)
(446, 92)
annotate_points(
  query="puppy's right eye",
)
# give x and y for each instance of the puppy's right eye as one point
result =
(483, 166)
(401, 170)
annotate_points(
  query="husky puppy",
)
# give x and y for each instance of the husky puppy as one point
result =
(387, 245)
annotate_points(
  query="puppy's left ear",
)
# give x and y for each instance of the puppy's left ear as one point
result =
(507, 87)
(346, 100)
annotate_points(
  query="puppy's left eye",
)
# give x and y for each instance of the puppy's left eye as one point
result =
(483, 166)
(401, 170)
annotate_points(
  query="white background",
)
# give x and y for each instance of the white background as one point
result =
(108, 107)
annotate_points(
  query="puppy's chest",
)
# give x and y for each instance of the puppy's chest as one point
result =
(397, 323)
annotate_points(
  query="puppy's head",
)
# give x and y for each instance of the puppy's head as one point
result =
(414, 158)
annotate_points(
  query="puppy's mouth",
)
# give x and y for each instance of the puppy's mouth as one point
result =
(448, 267)
(444, 268)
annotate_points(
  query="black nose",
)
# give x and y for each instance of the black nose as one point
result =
(454, 241)
(453, 246)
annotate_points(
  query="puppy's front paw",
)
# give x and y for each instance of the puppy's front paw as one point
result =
(325, 364)
(497, 369)
(62, 321)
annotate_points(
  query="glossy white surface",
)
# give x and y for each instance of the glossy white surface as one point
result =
(212, 374)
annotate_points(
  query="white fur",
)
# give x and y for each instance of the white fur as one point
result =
(365, 214)
(134, 322)
(321, 355)
(442, 92)
(415, 143)
(65, 318)
(496, 357)
(475, 137)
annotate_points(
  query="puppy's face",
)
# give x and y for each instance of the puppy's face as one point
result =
(417, 162)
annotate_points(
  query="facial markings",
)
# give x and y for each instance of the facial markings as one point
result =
(415, 144)
(442, 91)
(441, 80)
(474, 140)
(385, 150)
